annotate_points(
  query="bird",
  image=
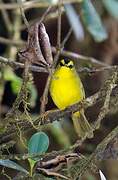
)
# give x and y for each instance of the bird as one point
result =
(67, 89)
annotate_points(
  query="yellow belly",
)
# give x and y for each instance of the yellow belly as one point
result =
(66, 88)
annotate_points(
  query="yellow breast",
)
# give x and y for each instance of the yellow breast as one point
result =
(66, 88)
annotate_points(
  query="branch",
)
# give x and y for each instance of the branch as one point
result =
(78, 168)
(96, 155)
(47, 173)
(33, 68)
(17, 65)
(71, 55)
(50, 116)
(81, 58)
(32, 4)
(110, 84)
(44, 98)
(11, 42)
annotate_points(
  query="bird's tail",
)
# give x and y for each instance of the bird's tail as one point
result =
(81, 125)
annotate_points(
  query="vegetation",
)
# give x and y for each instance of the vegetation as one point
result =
(37, 140)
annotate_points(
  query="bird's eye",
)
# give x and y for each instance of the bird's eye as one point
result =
(70, 66)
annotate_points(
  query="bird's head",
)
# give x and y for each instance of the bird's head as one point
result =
(66, 63)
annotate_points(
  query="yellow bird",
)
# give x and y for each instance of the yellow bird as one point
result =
(66, 89)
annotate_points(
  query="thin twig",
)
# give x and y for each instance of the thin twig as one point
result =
(44, 98)
(23, 13)
(110, 84)
(50, 15)
(34, 68)
(17, 65)
(58, 48)
(22, 96)
(68, 54)
(92, 159)
(81, 58)
(12, 42)
(59, 25)
(2, 84)
(45, 14)
(6, 19)
(51, 174)
(66, 38)
(32, 4)
(42, 156)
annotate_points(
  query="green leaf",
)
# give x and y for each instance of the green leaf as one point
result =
(58, 132)
(38, 143)
(32, 163)
(34, 94)
(9, 75)
(16, 82)
(10, 164)
(92, 21)
(16, 85)
(112, 7)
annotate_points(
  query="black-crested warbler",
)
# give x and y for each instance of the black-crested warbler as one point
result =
(66, 89)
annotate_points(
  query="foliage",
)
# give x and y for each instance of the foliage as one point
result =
(89, 21)
(37, 144)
